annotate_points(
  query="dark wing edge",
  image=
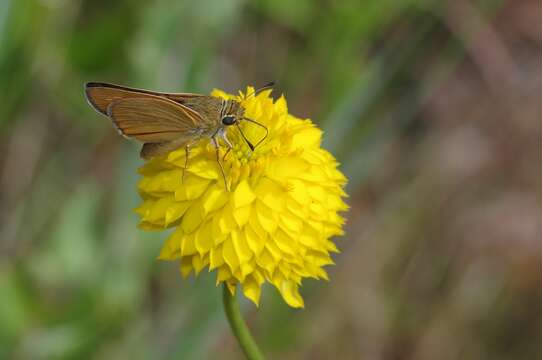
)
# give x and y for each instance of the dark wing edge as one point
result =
(88, 86)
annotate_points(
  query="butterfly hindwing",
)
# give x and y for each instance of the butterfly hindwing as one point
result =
(150, 150)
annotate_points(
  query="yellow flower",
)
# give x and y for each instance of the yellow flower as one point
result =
(273, 226)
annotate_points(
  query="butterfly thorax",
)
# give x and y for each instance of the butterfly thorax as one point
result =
(213, 109)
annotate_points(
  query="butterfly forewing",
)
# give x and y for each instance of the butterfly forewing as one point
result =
(151, 119)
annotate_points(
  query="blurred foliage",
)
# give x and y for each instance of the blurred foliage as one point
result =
(431, 106)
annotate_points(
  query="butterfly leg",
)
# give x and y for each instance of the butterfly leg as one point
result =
(226, 154)
(217, 148)
(186, 155)
(228, 143)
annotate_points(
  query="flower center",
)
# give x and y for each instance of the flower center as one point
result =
(241, 151)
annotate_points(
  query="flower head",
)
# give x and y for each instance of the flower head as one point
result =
(276, 222)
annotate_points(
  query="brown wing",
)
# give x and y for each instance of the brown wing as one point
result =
(101, 95)
(155, 149)
(153, 119)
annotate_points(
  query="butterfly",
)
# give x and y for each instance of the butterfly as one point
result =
(164, 122)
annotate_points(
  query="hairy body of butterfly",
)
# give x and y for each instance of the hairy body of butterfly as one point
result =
(167, 121)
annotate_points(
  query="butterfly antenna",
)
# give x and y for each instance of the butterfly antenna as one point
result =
(269, 85)
(244, 137)
(260, 125)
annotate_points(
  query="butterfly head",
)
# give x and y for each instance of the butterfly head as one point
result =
(234, 112)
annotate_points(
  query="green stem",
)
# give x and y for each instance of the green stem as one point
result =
(238, 326)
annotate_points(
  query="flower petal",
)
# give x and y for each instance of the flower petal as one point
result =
(230, 255)
(243, 195)
(288, 290)
(252, 290)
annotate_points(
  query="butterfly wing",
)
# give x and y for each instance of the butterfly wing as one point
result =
(161, 124)
(101, 95)
(152, 119)
(150, 150)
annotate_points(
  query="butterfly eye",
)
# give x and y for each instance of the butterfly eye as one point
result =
(228, 120)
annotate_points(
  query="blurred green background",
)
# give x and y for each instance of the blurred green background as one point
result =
(433, 108)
